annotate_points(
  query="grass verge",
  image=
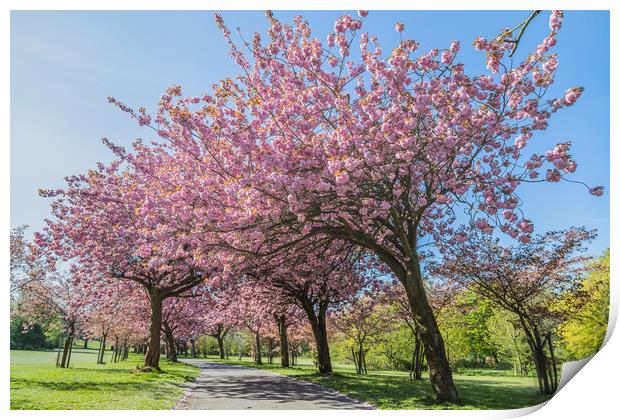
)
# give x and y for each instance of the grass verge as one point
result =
(37, 384)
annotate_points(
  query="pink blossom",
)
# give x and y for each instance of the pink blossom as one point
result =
(572, 94)
(526, 226)
(597, 191)
(553, 175)
(446, 57)
(343, 178)
(526, 239)
(555, 20)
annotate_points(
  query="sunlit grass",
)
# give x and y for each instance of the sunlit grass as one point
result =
(36, 383)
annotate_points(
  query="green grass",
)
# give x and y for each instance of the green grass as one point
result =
(395, 391)
(36, 383)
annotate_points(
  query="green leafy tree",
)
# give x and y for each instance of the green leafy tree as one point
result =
(392, 349)
(453, 327)
(27, 336)
(583, 334)
(509, 341)
(478, 311)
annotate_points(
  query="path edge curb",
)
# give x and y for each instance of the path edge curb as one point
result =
(190, 385)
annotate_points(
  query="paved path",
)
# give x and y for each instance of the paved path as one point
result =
(229, 387)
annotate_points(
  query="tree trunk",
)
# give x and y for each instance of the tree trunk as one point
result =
(537, 347)
(319, 331)
(542, 370)
(100, 361)
(518, 353)
(360, 366)
(354, 355)
(173, 354)
(414, 359)
(418, 359)
(191, 340)
(70, 350)
(65, 353)
(116, 350)
(86, 343)
(99, 352)
(170, 344)
(554, 384)
(66, 349)
(59, 347)
(362, 360)
(281, 321)
(257, 353)
(439, 369)
(420, 364)
(220, 346)
(151, 359)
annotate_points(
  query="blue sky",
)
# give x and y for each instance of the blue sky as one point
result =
(65, 64)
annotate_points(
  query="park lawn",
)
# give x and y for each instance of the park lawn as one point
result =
(37, 384)
(393, 390)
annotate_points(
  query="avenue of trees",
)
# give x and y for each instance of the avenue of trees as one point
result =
(328, 200)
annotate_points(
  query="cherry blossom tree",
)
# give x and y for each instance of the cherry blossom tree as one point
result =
(20, 258)
(51, 293)
(286, 316)
(114, 306)
(249, 305)
(185, 318)
(299, 335)
(217, 322)
(132, 330)
(120, 223)
(317, 279)
(172, 320)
